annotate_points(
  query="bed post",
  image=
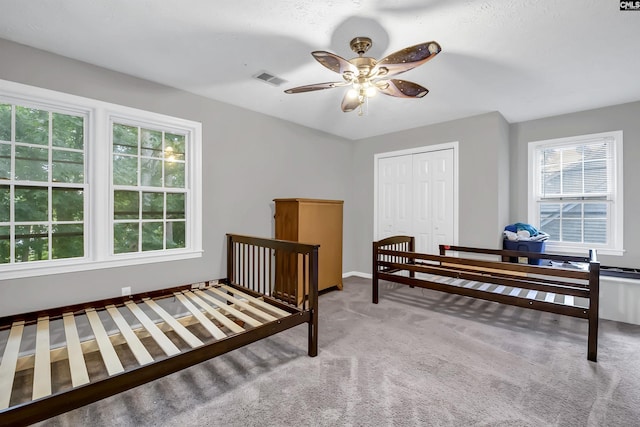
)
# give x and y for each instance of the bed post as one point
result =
(412, 248)
(313, 303)
(594, 298)
(230, 278)
(374, 274)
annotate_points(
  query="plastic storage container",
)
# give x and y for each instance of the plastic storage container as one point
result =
(524, 245)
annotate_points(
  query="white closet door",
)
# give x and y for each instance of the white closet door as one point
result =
(416, 198)
(443, 199)
(395, 184)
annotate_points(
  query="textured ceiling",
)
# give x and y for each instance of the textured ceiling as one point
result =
(524, 58)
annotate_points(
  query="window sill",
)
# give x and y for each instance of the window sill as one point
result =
(31, 269)
(573, 250)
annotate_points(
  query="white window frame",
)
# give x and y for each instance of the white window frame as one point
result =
(99, 194)
(615, 201)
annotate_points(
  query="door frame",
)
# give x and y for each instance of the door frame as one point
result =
(418, 150)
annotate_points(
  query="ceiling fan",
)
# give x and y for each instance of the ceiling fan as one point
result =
(366, 76)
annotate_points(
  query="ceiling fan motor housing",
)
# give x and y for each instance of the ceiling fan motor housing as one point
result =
(360, 45)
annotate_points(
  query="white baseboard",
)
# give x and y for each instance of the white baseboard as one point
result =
(356, 274)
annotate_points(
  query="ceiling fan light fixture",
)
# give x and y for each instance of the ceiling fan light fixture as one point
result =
(367, 77)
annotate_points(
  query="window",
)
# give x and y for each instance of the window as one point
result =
(575, 192)
(149, 189)
(63, 208)
(42, 184)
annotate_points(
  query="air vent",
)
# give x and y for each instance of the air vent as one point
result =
(269, 78)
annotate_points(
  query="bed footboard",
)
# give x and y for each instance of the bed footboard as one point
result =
(264, 267)
(570, 287)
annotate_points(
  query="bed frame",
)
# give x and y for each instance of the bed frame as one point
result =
(569, 287)
(134, 340)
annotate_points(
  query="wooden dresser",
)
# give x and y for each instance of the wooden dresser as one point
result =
(318, 222)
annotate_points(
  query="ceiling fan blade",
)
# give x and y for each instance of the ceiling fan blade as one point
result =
(401, 88)
(334, 62)
(406, 59)
(316, 86)
(349, 102)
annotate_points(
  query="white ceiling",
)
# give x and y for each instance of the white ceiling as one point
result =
(524, 58)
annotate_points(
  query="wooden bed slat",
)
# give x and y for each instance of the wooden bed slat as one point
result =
(484, 286)
(229, 309)
(163, 341)
(135, 345)
(42, 368)
(550, 297)
(215, 332)
(569, 300)
(183, 332)
(532, 294)
(500, 289)
(268, 307)
(515, 292)
(77, 365)
(245, 305)
(234, 327)
(108, 353)
(9, 361)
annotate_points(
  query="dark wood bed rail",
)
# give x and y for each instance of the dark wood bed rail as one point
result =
(402, 266)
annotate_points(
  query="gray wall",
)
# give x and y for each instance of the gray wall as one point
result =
(483, 187)
(625, 117)
(248, 160)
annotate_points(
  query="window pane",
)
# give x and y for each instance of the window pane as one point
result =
(125, 170)
(5, 245)
(126, 205)
(175, 206)
(32, 164)
(32, 126)
(5, 161)
(595, 210)
(572, 178)
(151, 172)
(67, 204)
(68, 131)
(152, 206)
(31, 204)
(596, 151)
(68, 166)
(595, 177)
(5, 203)
(174, 147)
(125, 237)
(5, 122)
(32, 243)
(174, 174)
(572, 210)
(176, 234)
(571, 230)
(152, 236)
(550, 219)
(67, 241)
(125, 139)
(151, 142)
(551, 183)
(595, 231)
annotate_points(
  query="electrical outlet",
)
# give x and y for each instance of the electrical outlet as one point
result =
(126, 291)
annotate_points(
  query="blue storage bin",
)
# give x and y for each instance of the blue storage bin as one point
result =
(524, 245)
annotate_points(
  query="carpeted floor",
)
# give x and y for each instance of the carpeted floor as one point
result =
(419, 358)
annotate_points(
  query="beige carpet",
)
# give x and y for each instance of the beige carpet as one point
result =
(419, 358)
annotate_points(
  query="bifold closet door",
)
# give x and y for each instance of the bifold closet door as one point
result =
(416, 198)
